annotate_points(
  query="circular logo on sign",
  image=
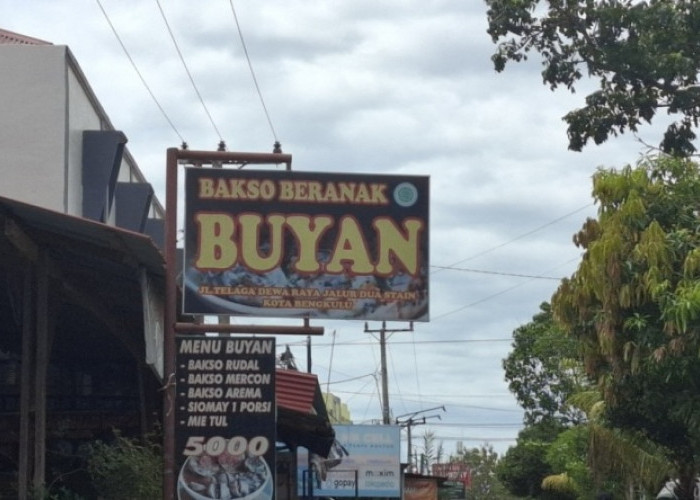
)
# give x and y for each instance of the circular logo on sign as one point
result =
(405, 194)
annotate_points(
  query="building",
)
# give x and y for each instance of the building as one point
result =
(338, 412)
(60, 150)
(80, 269)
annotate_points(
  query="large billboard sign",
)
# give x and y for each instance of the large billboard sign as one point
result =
(364, 462)
(225, 429)
(318, 245)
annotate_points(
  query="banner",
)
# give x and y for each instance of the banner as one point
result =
(288, 244)
(364, 462)
(455, 471)
(418, 488)
(225, 418)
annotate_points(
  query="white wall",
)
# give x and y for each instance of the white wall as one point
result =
(45, 105)
(33, 117)
(82, 116)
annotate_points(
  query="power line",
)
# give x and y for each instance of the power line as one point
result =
(252, 72)
(489, 297)
(480, 271)
(399, 342)
(480, 425)
(471, 407)
(519, 237)
(187, 70)
(133, 64)
(478, 439)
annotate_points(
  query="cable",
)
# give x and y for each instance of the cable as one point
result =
(252, 73)
(396, 380)
(351, 379)
(133, 64)
(398, 342)
(497, 273)
(478, 439)
(490, 296)
(415, 361)
(182, 59)
(517, 425)
(442, 268)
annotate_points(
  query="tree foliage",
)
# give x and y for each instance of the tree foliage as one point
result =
(524, 466)
(543, 370)
(634, 303)
(484, 484)
(644, 54)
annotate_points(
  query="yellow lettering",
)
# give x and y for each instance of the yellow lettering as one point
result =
(350, 247)
(362, 195)
(308, 232)
(206, 188)
(393, 243)
(216, 247)
(286, 190)
(331, 194)
(258, 242)
(315, 191)
(250, 236)
(222, 190)
(378, 194)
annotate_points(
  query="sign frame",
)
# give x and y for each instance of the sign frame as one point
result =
(306, 244)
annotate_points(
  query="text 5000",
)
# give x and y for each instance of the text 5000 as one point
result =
(216, 445)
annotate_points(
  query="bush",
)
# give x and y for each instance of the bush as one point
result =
(126, 469)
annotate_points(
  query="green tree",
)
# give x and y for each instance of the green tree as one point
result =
(524, 466)
(567, 455)
(634, 305)
(484, 485)
(543, 370)
(645, 56)
(619, 460)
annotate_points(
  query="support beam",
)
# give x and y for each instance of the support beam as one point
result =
(26, 423)
(43, 349)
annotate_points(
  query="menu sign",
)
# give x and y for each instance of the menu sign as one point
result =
(225, 418)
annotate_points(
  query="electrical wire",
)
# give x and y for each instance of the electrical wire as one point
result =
(187, 70)
(252, 72)
(497, 273)
(396, 380)
(415, 361)
(398, 342)
(489, 297)
(133, 64)
(519, 237)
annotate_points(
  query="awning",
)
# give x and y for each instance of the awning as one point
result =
(302, 419)
(95, 271)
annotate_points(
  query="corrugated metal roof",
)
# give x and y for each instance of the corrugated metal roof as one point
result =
(296, 390)
(11, 38)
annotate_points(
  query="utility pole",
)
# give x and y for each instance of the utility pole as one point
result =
(386, 418)
(409, 420)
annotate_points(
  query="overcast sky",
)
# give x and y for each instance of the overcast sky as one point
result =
(395, 87)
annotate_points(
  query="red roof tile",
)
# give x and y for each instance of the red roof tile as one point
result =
(10, 38)
(296, 390)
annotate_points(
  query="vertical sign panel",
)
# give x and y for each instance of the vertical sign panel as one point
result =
(225, 418)
(307, 244)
